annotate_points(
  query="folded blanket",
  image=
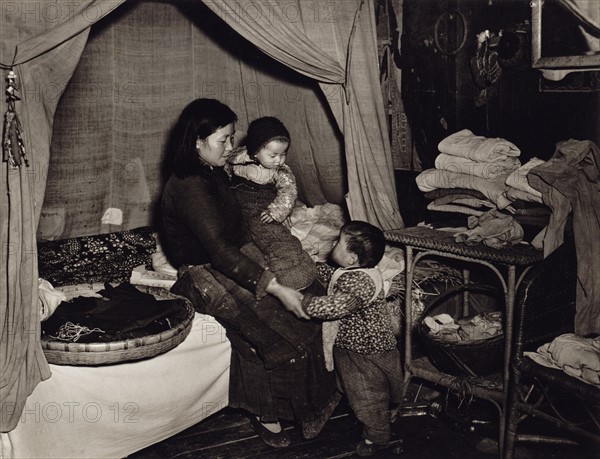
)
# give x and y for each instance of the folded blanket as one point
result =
(575, 355)
(518, 178)
(493, 190)
(482, 169)
(478, 148)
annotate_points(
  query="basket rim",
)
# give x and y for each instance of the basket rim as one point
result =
(61, 352)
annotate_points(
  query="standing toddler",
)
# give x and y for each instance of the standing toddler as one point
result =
(366, 358)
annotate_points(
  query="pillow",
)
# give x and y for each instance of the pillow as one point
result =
(100, 258)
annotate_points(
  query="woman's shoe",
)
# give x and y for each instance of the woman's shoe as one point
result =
(274, 439)
(312, 428)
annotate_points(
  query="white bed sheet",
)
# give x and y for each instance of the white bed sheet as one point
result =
(112, 411)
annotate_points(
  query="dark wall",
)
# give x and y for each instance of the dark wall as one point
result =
(441, 96)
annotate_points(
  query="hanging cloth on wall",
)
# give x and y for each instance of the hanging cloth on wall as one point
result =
(13, 145)
(485, 68)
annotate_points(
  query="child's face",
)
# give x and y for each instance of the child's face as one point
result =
(341, 255)
(272, 155)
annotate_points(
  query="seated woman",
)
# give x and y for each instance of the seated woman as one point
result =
(277, 366)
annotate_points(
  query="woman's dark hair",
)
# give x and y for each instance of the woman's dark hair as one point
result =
(366, 241)
(199, 119)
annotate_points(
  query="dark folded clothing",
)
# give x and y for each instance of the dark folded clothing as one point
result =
(441, 192)
(122, 313)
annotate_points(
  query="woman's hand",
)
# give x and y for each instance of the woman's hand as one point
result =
(290, 298)
(265, 217)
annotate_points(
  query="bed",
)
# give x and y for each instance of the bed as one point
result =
(115, 409)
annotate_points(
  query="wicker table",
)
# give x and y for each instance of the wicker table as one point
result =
(420, 242)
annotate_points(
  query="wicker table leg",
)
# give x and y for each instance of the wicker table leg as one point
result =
(408, 318)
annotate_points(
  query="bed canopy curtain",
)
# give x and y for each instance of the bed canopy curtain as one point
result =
(341, 54)
(37, 52)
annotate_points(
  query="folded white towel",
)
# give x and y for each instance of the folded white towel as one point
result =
(478, 148)
(481, 169)
(494, 190)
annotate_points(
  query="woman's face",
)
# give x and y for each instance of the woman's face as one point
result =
(215, 149)
(272, 155)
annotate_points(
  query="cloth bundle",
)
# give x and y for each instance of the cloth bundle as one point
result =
(49, 298)
(316, 227)
(493, 229)
(443, 327)
(120, 313)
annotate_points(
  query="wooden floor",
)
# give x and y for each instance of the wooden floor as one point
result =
(426, 430)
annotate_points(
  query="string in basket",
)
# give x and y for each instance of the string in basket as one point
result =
(72, 332)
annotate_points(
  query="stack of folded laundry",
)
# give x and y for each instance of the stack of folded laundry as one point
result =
(472, 171)
(473, 174)
(481, 177)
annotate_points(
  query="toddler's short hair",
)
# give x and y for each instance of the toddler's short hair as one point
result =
(366, 241)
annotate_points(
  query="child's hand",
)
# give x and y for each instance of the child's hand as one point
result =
(265, 217)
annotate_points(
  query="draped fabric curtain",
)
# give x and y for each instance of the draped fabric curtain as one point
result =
(341, 54)
(38, 53)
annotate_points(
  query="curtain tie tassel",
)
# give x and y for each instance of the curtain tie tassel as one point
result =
(13, 145)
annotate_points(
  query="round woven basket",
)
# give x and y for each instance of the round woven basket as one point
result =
(474, 358)
(91, 354)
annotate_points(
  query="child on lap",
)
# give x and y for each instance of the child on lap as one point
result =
(266, 189)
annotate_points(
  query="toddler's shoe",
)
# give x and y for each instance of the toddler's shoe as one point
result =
(364, 449)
